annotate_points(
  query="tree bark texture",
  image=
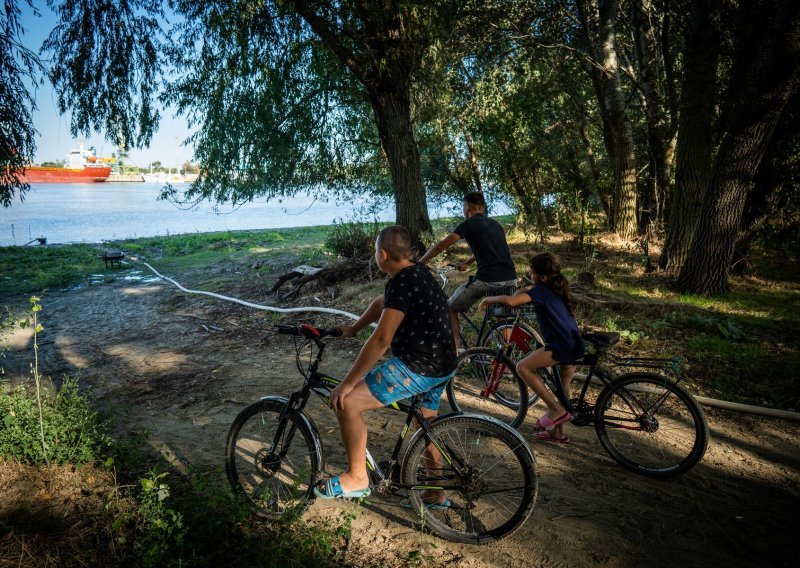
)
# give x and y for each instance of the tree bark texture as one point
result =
(695, 133)
(764, 76)
(392, 109)
(382, 52)
(599, 22)
(658, 135)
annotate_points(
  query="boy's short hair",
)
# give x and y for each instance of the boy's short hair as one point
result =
(475, 199)
(396, 241)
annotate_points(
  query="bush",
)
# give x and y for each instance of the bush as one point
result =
(352, 239)
(73, 431)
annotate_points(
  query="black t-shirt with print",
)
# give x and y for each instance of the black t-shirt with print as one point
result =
(487, 240)
(424, 340)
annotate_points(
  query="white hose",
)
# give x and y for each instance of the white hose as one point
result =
(255, 306)
(724, 404)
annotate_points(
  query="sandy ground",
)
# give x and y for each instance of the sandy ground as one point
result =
(182, 367)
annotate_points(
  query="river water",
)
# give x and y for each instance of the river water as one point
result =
(74, 213)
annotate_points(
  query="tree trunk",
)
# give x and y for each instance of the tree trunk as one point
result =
(393, 117)
(695, 134)
(599, 26)
(655, 113)
(765, 74)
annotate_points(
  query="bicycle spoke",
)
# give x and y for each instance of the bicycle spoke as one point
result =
(651, 425)
(492, 491)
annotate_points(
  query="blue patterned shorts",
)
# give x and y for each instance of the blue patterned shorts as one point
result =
(392, 381)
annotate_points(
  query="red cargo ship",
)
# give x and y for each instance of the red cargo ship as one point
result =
(83, 166)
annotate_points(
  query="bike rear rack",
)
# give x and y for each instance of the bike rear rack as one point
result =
(673, 367)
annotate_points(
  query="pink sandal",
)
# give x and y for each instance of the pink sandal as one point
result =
(548, 436)
(544, 422)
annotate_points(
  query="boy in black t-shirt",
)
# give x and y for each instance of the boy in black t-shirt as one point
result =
(413, 318)
(487, 241)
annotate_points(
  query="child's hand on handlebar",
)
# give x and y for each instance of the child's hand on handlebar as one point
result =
(346, 330)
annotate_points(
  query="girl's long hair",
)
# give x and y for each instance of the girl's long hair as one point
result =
(548, 266)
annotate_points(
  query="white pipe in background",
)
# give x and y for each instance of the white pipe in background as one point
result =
(252, 305)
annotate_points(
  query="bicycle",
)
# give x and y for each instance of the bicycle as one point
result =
(499, 327)
(645, 421)
(274, 457)
(495, 326)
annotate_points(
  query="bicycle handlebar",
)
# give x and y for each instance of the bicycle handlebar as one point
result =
(307, 331)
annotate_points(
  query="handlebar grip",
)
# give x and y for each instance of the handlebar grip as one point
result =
(286, 329)
(333, 332)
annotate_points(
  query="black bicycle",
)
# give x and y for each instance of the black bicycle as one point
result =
(646, 421)
(274, 457)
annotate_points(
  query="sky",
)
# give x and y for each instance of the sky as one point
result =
(54, 140)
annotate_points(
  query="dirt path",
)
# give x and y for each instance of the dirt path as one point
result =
(183, 367)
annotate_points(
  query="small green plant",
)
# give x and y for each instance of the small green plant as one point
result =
(727, 328)
(626, 330)
(160, 528)
(352, 239)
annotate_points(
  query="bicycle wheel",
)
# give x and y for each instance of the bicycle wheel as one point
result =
(275, 479)
(650, 425)
(477, 369)
(488, 475)
(500, 334)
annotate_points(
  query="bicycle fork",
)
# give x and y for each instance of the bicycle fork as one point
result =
(519, 339)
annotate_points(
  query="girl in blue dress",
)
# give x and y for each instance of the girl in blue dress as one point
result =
(563, 342)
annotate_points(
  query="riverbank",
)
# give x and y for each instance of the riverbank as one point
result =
(174, 369)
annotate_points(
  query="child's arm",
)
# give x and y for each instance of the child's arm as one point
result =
(370, 315)
(511, 301)
(377, 344)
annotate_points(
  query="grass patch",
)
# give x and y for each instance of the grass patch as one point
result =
(31, 270)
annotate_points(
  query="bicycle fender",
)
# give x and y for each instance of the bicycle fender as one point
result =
(309, 423)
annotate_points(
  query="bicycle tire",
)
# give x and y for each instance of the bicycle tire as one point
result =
(496, 337)
(650, 425)
(285, 485)
(475, 367)
(495, 495)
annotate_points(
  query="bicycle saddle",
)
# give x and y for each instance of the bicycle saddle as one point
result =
(601, 339)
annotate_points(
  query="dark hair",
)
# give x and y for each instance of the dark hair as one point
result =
(548, 266)
(475, 199)
(396, 241)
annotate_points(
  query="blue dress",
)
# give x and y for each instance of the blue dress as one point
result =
(559, 329)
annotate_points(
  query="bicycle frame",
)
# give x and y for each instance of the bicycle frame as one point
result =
(552, 378)
(322, 385)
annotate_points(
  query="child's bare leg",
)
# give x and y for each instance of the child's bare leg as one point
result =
(527, 370)
(354, 436)
(567, 372)
(433, 463)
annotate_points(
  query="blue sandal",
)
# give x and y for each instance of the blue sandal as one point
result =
(332, 489)
(446, 504)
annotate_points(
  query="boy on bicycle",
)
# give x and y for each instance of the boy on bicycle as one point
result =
(413, 318)
(487, 241)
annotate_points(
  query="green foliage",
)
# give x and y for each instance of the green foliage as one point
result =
(628, 331)
(352, 239)
(31, 270)
(73, 431)
(160, 529)
(727, 327)
(113, 51)
(18, 66)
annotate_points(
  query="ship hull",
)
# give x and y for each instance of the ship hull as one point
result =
(87, 174)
